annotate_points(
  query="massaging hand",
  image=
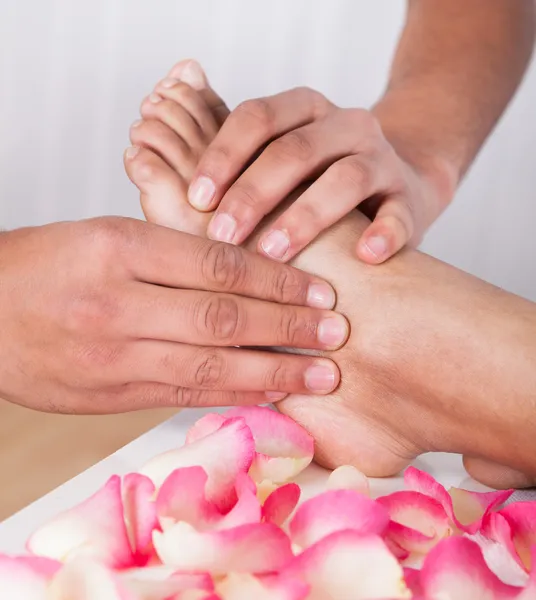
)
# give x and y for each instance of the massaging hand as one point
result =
(111, 314)
(267, 147)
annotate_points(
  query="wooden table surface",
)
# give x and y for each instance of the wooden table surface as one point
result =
(40, 451)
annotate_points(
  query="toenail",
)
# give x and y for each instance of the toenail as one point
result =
(333, 331)
(131, 152)
(169, 82)
(222, 228)
(276, 244)
(136, 123)
(155, 98)
(321, 295)
(201, 193)
(320, 378)
(193, 75)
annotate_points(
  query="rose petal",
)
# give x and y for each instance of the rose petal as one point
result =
(470, 508)
(254, 548)
(281, 503)
(349, 565)
(521, 519)
(222, 454)
(333, 511)
(140, 515)
(243, 586)
(204, 426)
(25, 577)
(95, 529)
(182, 497)
(347, 477)
(283, 447)
(455, 570)
(418, 521)
(155, 583)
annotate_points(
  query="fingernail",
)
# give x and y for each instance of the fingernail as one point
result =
(333, 331)
(131, 152)
(201, 193)
(276, 244)
(193, 75)
(169, 82)
(321, 295)
(275, 396)
(222, 228)
(377, 246)
(136, 123)
(155, 98)
(320, 378)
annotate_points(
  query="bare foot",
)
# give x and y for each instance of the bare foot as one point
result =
(381, 416)
(179, 119)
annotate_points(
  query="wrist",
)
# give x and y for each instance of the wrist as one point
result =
(416, 145)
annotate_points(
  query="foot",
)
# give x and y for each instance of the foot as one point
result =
(381, 416)
(179, 119)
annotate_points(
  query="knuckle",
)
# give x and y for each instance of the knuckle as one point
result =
(225, 266)
(353, 172)
(106, 236)
(219, 317)
(91, 312)
(188, 397)
(288, 287)
(259, 111)
(293, 145)
(319, 103)
(183, 92)
(209, 369)
(216, 160)
(278, 377)
(293, 328)
(96, 354)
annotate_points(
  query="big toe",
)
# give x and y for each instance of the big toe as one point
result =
(162, 192)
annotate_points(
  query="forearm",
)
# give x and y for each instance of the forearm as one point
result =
(457, 65)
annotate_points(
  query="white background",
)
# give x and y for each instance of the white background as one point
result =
(73, 73)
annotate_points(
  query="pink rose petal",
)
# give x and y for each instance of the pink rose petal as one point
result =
(333, 511)
(204, 426)
(222, 454)
(25, 577)
(455, 570)
(254, 548)
(243, 586)
(465, 509)
(182, 497)
(283, 447)
(280, 504)
(348, 565)
(347, 477)
(140, 514)
(94, 529)
(164, 583)
(418, 521)
(521, 519)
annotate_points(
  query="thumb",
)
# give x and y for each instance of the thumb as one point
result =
(390, 231)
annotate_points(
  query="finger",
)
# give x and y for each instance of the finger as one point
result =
(192, 102)
(163, 192)
(177, 118)
(213, 319)
(390, 231)
(191, 72)
(339, 190)
(160, 138)
(164, 257)
(246, 130)
(224, 369)
(148, 395)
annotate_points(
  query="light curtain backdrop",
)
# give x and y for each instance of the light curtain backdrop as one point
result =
(73, 73)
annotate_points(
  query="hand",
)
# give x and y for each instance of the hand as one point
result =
(267, 147)
(111, 314)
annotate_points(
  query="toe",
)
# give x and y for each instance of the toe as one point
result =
(163, 192)
(495, 475)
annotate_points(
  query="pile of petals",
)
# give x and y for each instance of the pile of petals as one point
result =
(220, 519)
